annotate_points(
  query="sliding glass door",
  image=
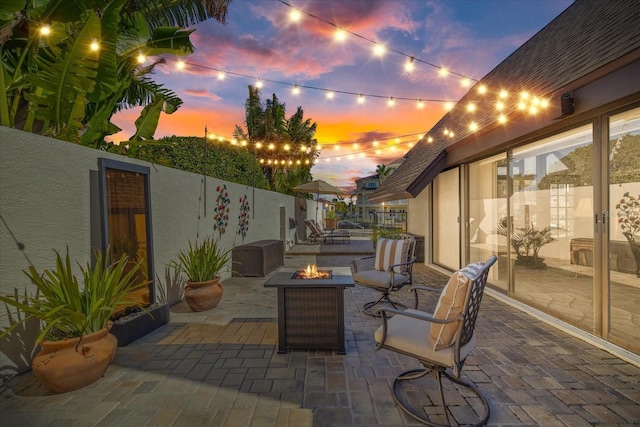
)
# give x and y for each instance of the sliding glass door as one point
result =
(624, 228)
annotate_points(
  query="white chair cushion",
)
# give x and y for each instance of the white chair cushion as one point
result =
(390, 252)
(410, 335)
(450, 305)
(379, 279)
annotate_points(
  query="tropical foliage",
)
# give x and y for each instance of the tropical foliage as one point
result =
(527, 242)
(68, 309)
(293, 140)
(56, 84)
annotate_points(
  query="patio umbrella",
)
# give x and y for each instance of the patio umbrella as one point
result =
(319, 187)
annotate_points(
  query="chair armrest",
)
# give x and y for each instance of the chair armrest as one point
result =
(354, 262)
(385, 310)
(425, 288)
(411, 261)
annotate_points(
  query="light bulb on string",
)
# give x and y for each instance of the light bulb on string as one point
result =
(259, 84)
(341, 35)
(141, 58)
(272, 146)
(295, 15)
(391, 102)
(473, 126)
(221, 75)
(408, 66)
(378, 49)
(361, 99)
(448, 105)
(482, 89)
(465, 82)
(45, 30)
(502, 119)
(471, 107)
(180, 64)
(443, 72)
(295, 90)
(330, 94)
(420, 104)
(94, 46)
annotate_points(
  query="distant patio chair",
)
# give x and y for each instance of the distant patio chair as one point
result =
(344, 235)
(317, 233)
(440, 341)
(392, 269)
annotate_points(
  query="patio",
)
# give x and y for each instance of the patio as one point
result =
(222, 368)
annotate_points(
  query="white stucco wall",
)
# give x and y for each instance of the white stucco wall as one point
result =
(49, 200)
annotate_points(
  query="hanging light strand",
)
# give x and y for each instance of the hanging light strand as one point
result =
(410, 58)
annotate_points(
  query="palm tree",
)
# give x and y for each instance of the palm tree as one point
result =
(383, 172)
(56, 85)
(268, 124)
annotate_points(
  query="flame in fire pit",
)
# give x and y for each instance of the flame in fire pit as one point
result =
(312, 272)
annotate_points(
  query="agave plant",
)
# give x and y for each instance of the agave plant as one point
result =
(67, 309)
(56, 85)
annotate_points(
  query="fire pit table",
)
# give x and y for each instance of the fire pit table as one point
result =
(311, 309)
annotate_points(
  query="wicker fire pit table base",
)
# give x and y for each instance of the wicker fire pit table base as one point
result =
(311, 310)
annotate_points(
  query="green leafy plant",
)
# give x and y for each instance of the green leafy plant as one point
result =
(202, 261)
(629, 214)
(55, 84)
(527, 242)
(332, 214)
(67, 309)
(386, 233)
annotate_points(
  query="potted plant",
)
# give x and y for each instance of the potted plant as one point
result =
(526, 243)
(629, 220)
(76, 344)
(202, 263)
(331, 220)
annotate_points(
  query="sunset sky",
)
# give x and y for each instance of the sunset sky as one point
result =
(259, 40)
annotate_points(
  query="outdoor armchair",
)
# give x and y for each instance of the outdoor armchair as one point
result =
(440, 342)
(392, 269)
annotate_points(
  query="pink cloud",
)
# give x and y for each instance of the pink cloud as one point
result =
(202, 93)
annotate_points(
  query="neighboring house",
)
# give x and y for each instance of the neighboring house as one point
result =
(369, 213)
(555, 177)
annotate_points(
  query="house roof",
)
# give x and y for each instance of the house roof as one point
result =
(587, 36)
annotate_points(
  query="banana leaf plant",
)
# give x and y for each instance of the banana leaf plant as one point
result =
(57, 85)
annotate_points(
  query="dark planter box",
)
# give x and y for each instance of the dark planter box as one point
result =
(130, 328)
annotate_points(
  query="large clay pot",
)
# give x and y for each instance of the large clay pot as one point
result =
(202, 296)
(70, 364)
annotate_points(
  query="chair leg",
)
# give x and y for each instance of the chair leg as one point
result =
(368, 307)
(439, 374)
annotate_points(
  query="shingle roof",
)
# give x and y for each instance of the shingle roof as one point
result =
(588, 35)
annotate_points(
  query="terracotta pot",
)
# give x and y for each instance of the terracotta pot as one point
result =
(70, 364)
(202, 296)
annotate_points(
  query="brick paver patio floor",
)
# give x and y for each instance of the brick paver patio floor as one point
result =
(221, 368)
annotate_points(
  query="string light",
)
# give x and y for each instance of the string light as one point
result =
(341, 35)
(408, 66)
(526, 102)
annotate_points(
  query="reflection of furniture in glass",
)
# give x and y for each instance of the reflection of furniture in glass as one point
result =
(311, 311)
(621, 258)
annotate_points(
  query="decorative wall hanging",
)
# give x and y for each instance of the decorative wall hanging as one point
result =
(243, 217)
(221, 217)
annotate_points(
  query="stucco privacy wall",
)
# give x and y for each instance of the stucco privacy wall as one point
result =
(49, 200)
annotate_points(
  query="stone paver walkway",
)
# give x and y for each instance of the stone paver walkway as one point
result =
(221, 368)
